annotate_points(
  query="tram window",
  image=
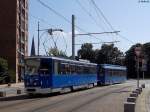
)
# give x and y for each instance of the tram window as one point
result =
(67, 68)
(120, 73)
(92, 69)
(72, 68)
(86, 69)
(124, 73)
(101, 71)
(108, 71)
(44, 67)
(79, 69)
(32, 66)
(117, 73)
(56, 67)
(64, 68)
(112, 72)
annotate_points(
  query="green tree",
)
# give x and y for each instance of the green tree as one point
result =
(3, 71)
(146, 50)
(56, 52)
(3, 65)
(130, 61)
(109, 54)
(87, 52)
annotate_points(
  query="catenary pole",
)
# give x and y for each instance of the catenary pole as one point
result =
(38, 37)
(73, 37)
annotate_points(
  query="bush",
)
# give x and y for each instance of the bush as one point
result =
(3, 65)
(12, 75)
(4, 77)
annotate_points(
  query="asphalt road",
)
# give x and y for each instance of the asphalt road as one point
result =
(98, 99)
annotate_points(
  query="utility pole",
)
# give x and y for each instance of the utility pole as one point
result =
(138, 68)
(38, 37)
(73, 37)
(144, 65)
(138, 51)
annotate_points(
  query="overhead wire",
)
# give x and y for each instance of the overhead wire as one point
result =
(45, 46)
(90, 15)
(63, 17)
(66, 44)
(99, 14)
(106, 20)
(125, 38)
(43, 21)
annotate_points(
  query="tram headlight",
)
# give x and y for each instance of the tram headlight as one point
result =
(34, 83)
(41, 83)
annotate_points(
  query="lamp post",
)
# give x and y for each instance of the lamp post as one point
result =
(138, 51)
(144, 66)
(50, 31)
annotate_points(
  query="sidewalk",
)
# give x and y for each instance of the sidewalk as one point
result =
(143, 101)
(12, 90)
(12, 85)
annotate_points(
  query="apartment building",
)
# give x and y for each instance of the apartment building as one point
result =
(14, 34)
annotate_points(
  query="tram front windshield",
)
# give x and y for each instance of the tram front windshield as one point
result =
(37, 66)
(32, 66)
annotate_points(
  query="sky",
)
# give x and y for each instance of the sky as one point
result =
(129, 17)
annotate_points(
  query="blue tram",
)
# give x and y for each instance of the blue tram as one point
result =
(110, 74)
(51, 74)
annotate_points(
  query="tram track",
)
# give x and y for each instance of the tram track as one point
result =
(95, 99)
(24, 100)
(56, 104)
(50, 104)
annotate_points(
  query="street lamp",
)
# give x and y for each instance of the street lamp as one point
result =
(144, 66)
(138, 51)
(50, 31)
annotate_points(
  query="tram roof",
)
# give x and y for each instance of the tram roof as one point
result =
(117, 67)
(59, 58)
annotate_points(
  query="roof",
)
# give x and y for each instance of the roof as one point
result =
(116, 67)
(58, 58)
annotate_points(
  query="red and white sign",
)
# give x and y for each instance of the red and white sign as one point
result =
(138, 51)
(144, 65)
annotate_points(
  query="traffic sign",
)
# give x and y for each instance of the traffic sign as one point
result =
(144, 65)
(138, 51)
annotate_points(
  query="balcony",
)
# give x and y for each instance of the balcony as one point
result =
(22, 41)
(21, 51)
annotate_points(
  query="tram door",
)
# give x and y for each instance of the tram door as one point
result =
(45, 72)
(101, 75)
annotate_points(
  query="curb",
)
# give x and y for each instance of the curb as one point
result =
(17, 92)
(138, 100)
(12, 85)
(147, 101)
